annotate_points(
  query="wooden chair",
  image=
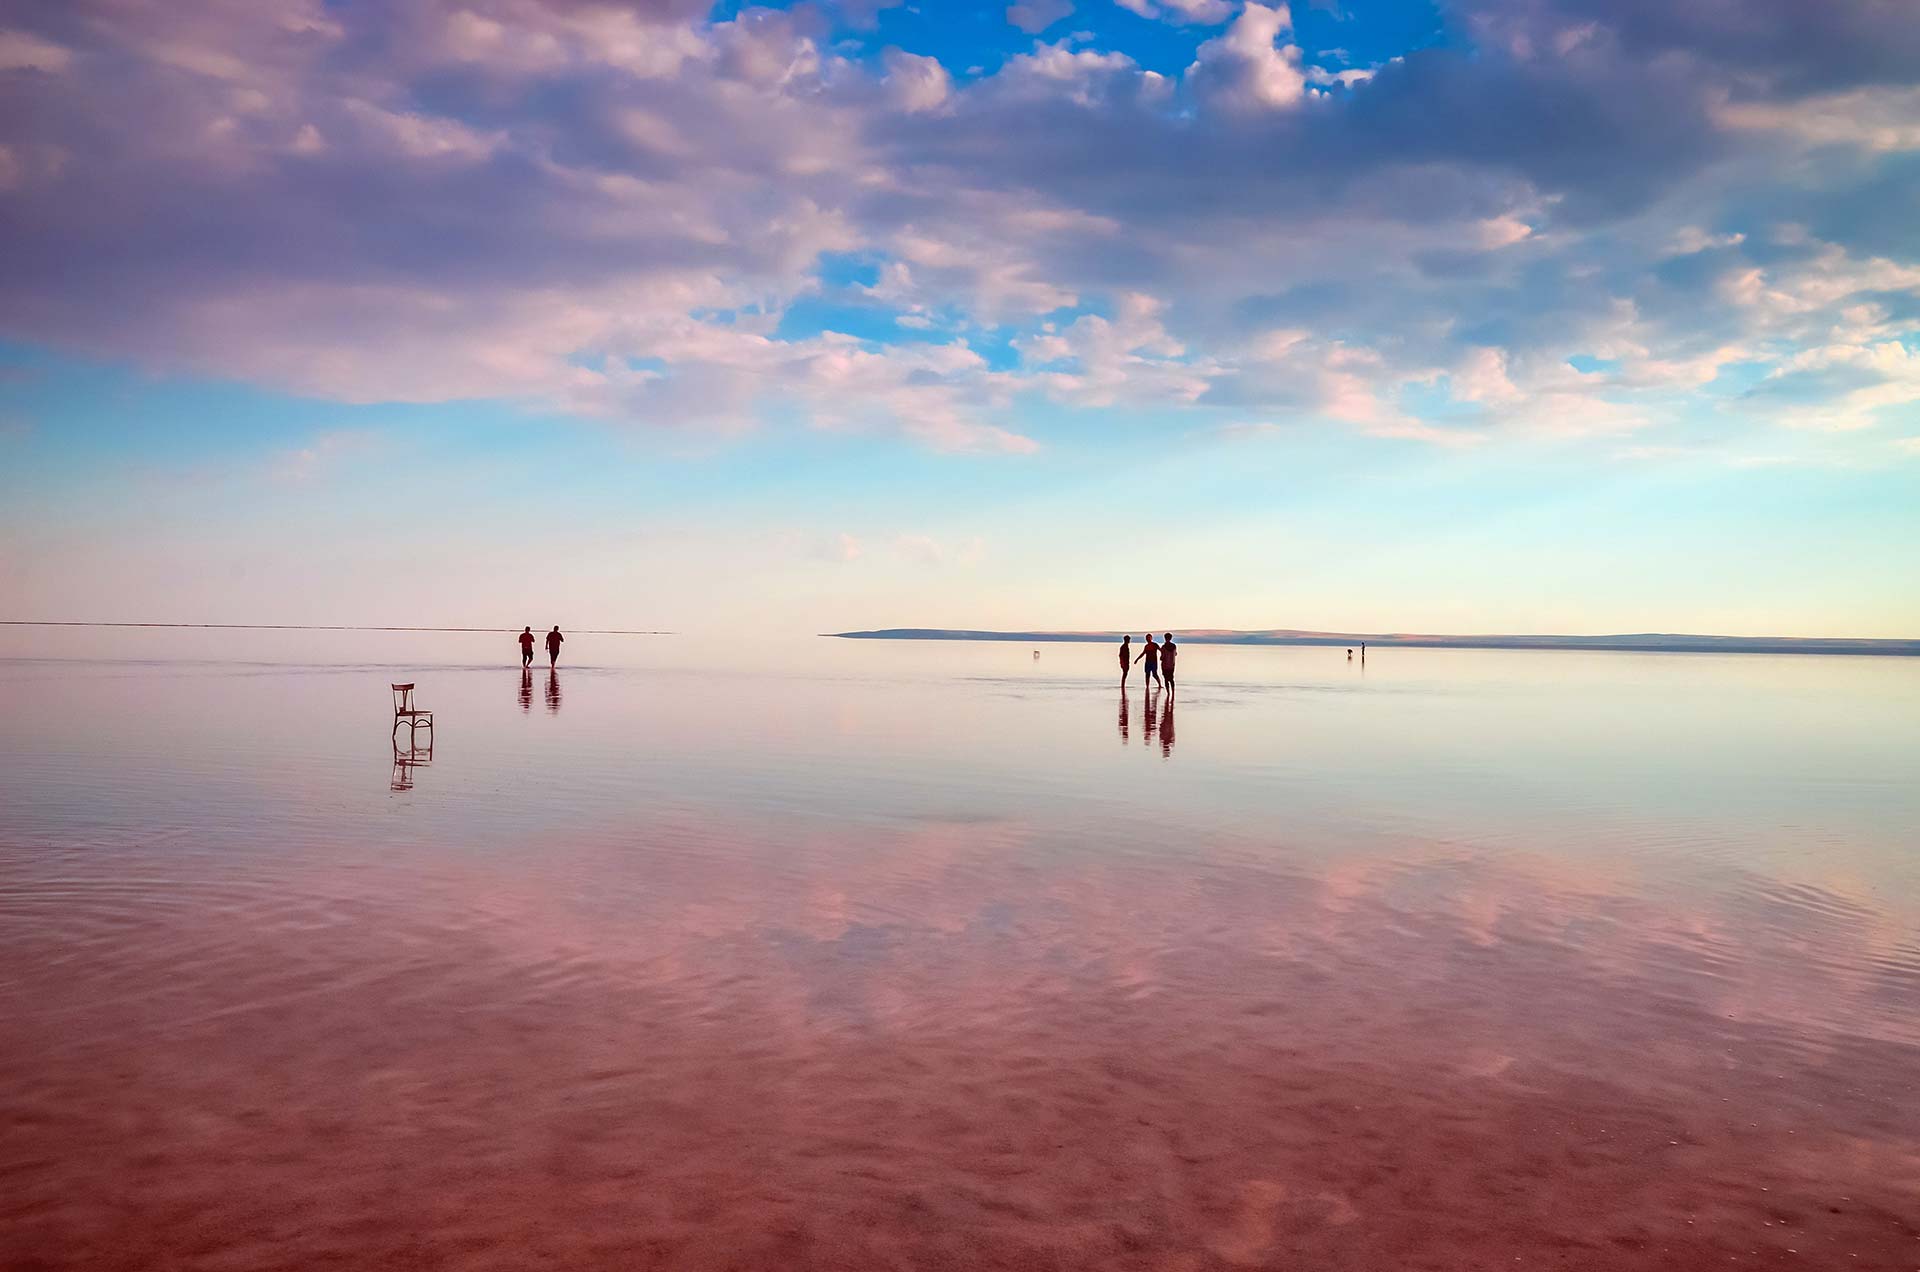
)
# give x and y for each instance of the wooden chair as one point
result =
(403, 709)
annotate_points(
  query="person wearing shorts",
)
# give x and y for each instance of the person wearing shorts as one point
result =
(553, 646)
(1126, 658)
(1152, 655)
(1168, 652)
(526, 647)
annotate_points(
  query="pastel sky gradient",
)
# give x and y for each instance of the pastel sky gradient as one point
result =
(1477, 315)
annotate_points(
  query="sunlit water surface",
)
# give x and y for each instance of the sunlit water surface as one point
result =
(833, 954)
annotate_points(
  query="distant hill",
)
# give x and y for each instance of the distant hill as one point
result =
(1651, 641)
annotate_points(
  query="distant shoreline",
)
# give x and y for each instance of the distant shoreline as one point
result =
(301, 627)
(1651, 642)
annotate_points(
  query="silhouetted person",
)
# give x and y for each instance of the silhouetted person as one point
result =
(1126, 658)
(1349, 655)
(1168, 652)
(1152, 655)
(553, 646)
(1166, 726)
(553, 692)
(526, 685)
(1123, 713)
(1363, 651)
(526, 647)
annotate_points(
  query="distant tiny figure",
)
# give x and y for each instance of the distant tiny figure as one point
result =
(1036, 655)
(526, 647)
(1363, 651)
(553, 646)
(1126, 658)
(1168, 652)
(1349, 655)
(1152, 654)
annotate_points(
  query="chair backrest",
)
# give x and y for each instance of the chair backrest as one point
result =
(402, 698)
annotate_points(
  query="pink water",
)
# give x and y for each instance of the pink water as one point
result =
(846, 955)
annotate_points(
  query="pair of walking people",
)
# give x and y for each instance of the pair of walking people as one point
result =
(553, 646)
(1158, 657)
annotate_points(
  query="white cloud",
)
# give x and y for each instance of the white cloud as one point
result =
(1496, 232)
(1691, 238)
(1100, 361)
(1059, 71)
(1201, 12)
(1877, 119)
(1482, 377)
(1841, 387)
(1350, 78)
(916, 83)
(1245, 68)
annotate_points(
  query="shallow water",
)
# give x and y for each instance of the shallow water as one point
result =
(836, 954)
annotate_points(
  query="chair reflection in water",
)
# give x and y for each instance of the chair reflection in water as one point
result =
(408, 758)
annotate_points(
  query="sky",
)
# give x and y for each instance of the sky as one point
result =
(1583, 316)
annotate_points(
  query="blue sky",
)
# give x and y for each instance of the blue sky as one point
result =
(1519, 315)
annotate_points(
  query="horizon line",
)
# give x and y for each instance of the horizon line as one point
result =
(1666, 642)
(310, 627)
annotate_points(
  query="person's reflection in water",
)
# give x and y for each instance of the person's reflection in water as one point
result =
(1123, 715)
(553, 693)
(1166, 725)
(526, 689)
(1146, 710)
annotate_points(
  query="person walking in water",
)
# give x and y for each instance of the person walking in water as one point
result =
(526, 647)
(1126, 658)
(553, 646)
(1168, 652)
(1152, 654)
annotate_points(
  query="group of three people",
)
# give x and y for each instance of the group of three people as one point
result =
(553, 646)
(1159, 659)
